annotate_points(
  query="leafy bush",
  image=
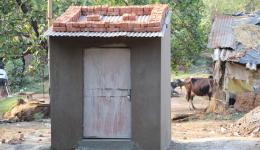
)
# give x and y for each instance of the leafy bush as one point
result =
(38, 116)
(6, 104)
(14, 69)
(189, 36)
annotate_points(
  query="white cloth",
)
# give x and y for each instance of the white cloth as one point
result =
(3, 74)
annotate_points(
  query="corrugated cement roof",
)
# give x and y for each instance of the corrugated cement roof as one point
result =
(221, 35)
(50, 33)
(253, 19)
(253, 56)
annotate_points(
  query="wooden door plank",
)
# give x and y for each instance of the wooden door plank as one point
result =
(105, 92)
(107, 68)
(107, 117)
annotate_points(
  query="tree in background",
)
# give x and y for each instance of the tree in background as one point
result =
(220, 7)
(23, 23)
(188, 35)
(191, 23)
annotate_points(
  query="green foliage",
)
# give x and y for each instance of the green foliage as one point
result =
(23, 22)
(7, 104)
(191, 23)
(216, 7)
(220, 7)
(14, 67)
(183, 75)
(38, 116)
(188, 35)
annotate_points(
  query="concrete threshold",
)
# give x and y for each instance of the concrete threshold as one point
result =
(106, 144)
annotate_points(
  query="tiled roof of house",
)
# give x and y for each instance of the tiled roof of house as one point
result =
(147, 18)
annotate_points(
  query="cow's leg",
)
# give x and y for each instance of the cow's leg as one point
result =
(191, 102)
(188, 98)
(190, 105)
(209, 95)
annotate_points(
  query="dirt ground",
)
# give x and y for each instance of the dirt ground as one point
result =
(26, 135)
(204, 126)
(208, 130)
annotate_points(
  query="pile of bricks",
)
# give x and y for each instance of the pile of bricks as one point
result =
(72, 14)
(129, 17)
(117, 10)
(95, 17)
(91, 19)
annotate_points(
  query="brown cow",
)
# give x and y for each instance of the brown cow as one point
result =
(199, 87)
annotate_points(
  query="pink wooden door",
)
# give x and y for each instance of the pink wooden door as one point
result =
(107, 83)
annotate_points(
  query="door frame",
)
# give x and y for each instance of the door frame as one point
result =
(130, 115)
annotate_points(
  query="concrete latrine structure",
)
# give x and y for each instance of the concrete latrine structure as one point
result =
(110, 75)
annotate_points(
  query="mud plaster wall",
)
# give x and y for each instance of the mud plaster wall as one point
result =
(239, 79)
(244, 84)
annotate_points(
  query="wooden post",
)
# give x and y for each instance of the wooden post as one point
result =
(49, 16)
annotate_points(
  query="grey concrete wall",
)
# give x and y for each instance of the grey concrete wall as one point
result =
(148, 121)
(146, 92)
(165, 90)
(66, 94)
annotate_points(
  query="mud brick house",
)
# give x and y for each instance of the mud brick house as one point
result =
(110, 75)
(236, 44)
